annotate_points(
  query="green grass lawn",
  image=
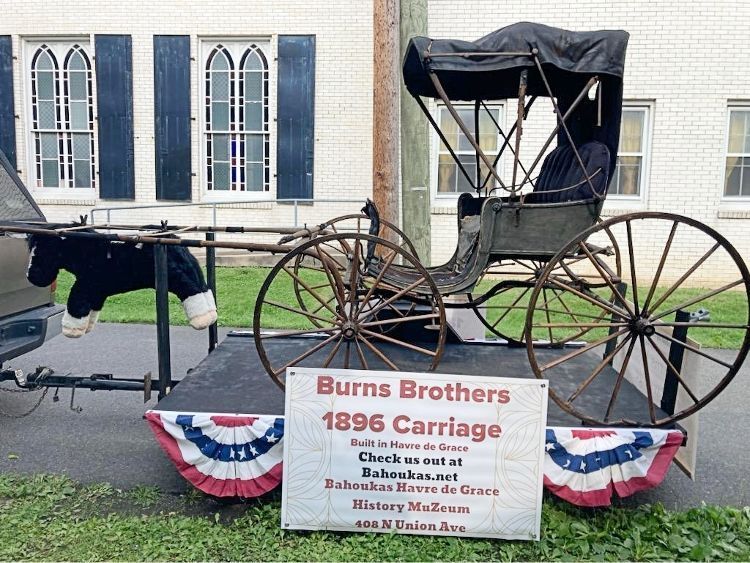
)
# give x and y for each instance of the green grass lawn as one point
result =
(53, 518)
(237, 290)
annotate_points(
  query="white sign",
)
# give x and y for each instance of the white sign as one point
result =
(413, 453)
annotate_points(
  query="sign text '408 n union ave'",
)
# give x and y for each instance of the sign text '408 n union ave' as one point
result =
(413, 453)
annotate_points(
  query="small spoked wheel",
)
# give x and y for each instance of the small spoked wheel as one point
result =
(366, 304)
(662, 340)
(501, 298)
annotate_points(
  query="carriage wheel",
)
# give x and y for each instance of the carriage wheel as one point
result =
(354, 223)
(506, 287)
(354, 304)
(673, 266)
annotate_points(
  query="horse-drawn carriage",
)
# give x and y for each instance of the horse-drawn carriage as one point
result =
(593, 300)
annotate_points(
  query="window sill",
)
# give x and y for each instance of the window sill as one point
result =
(234, 204)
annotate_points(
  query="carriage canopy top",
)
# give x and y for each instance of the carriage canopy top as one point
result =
(488, 68)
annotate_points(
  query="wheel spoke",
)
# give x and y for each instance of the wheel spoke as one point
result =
(604, 363)
(354, 281)
(398, 342)
(699, 324)
(583, 350)
(304, 284)
(685, 276)
(304, 355)
(361, 355)
(605, 277)
(334, 284)
(647, 377)
(401, 320)
(595, 299)
(332, 353)
(698, 299)
(673, 371)
(580, 325)
(396, 296)
(379, 354)
(511, 307)
(618, 383)
(380, 275)
(662, 261)
(546, 311)
(694, 350)
(632, 268)
(285, 333)
(307, 314)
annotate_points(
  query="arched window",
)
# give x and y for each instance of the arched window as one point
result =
(62, 116)
(236, 118)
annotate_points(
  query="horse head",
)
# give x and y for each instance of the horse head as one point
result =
(45, 259)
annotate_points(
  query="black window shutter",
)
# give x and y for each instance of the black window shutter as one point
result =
(7, 109)
(114, 99)
(295, 139)
(172, 116)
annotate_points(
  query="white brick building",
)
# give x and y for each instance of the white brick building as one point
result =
(687, 82)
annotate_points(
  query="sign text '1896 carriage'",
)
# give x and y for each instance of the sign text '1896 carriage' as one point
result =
(413, 453)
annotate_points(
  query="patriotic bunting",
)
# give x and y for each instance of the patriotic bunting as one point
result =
(241, 456)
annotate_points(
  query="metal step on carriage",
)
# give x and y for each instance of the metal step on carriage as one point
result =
(593, 301)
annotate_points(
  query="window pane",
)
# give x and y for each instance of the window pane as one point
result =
(46, 115)
(221, 147)
(220, 86)
(79, 115)
(253, 86)
(76, 62)
(81, 145)
(220, 116)
(488, 133)
(219, 62)
(82, 174)
(470, 165)
(631, 132)
(78, 86)
(733, 177)
(449, 128)
(446, 174)
(50, 171)
(221, 175)
(467, 116)
(254, 117)
(44, 62)
(739, 131)
(254, 148)
(254, 177)
(45, 86)
(745, 188)
(49, 145)
(253, 62)
(629, 168)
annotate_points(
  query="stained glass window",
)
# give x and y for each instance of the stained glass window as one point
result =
(236, 118)
(62, 116)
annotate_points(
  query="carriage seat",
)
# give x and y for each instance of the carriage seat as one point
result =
(561, 170)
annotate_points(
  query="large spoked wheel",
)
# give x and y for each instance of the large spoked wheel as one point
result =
(501, 298)
(355, 223)
(348, 303)
(637, 367)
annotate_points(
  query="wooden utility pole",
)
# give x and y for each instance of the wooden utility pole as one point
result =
(415, 144)
(385, 130)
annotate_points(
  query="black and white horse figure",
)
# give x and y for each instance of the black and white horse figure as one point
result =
(103, 268)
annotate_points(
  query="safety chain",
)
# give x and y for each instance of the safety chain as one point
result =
(42, 374)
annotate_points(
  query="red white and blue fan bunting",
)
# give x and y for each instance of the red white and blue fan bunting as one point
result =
(241, 456)
(586, 467)
(223, 455)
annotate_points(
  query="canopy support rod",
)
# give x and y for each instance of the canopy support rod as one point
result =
(468, 54)
(560, 122)
(506, 139)
(440, 133)
(565, 128)
(478, 172)
(522, 83)
(464, 129)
